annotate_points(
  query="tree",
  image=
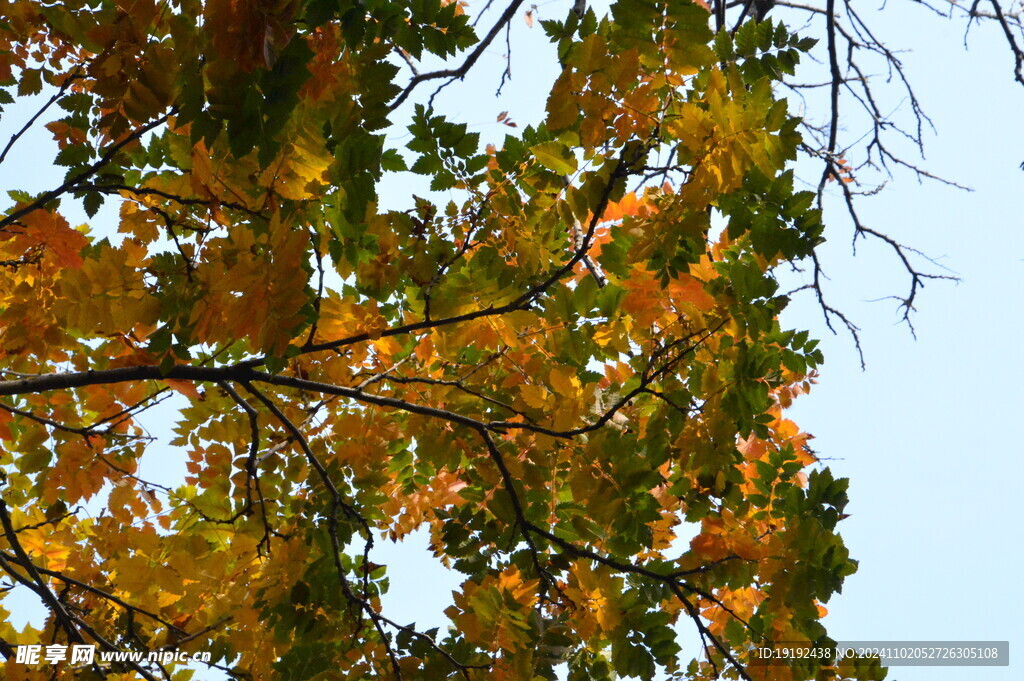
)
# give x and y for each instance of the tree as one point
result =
(553, 361)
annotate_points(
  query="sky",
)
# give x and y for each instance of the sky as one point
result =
(929, 431)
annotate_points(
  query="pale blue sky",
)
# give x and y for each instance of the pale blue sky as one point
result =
(929, 432)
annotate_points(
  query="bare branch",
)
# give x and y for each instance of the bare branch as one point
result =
(461, 71)
(78, 179)
(75, 75)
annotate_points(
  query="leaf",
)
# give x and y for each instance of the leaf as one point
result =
(393, 161)
(92, 203)
(186, 388)
(74, 155)
(562, 106)
(31, 82)
(554, 156)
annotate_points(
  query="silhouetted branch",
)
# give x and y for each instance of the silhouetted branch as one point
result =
(461, 71)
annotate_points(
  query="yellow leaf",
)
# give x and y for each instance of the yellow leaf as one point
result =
(565, 382)
(562, 107)
(554, 156)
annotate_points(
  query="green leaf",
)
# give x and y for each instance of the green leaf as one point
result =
(392, 161)
(92, 203)
(74, 155)
(31, 82)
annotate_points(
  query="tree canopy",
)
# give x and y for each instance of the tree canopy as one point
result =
(564, 361)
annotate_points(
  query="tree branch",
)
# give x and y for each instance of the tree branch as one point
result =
(461, 71)
(75, 181)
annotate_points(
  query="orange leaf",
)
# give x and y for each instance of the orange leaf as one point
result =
(186, 388)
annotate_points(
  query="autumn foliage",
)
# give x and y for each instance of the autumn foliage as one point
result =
(563, 363)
